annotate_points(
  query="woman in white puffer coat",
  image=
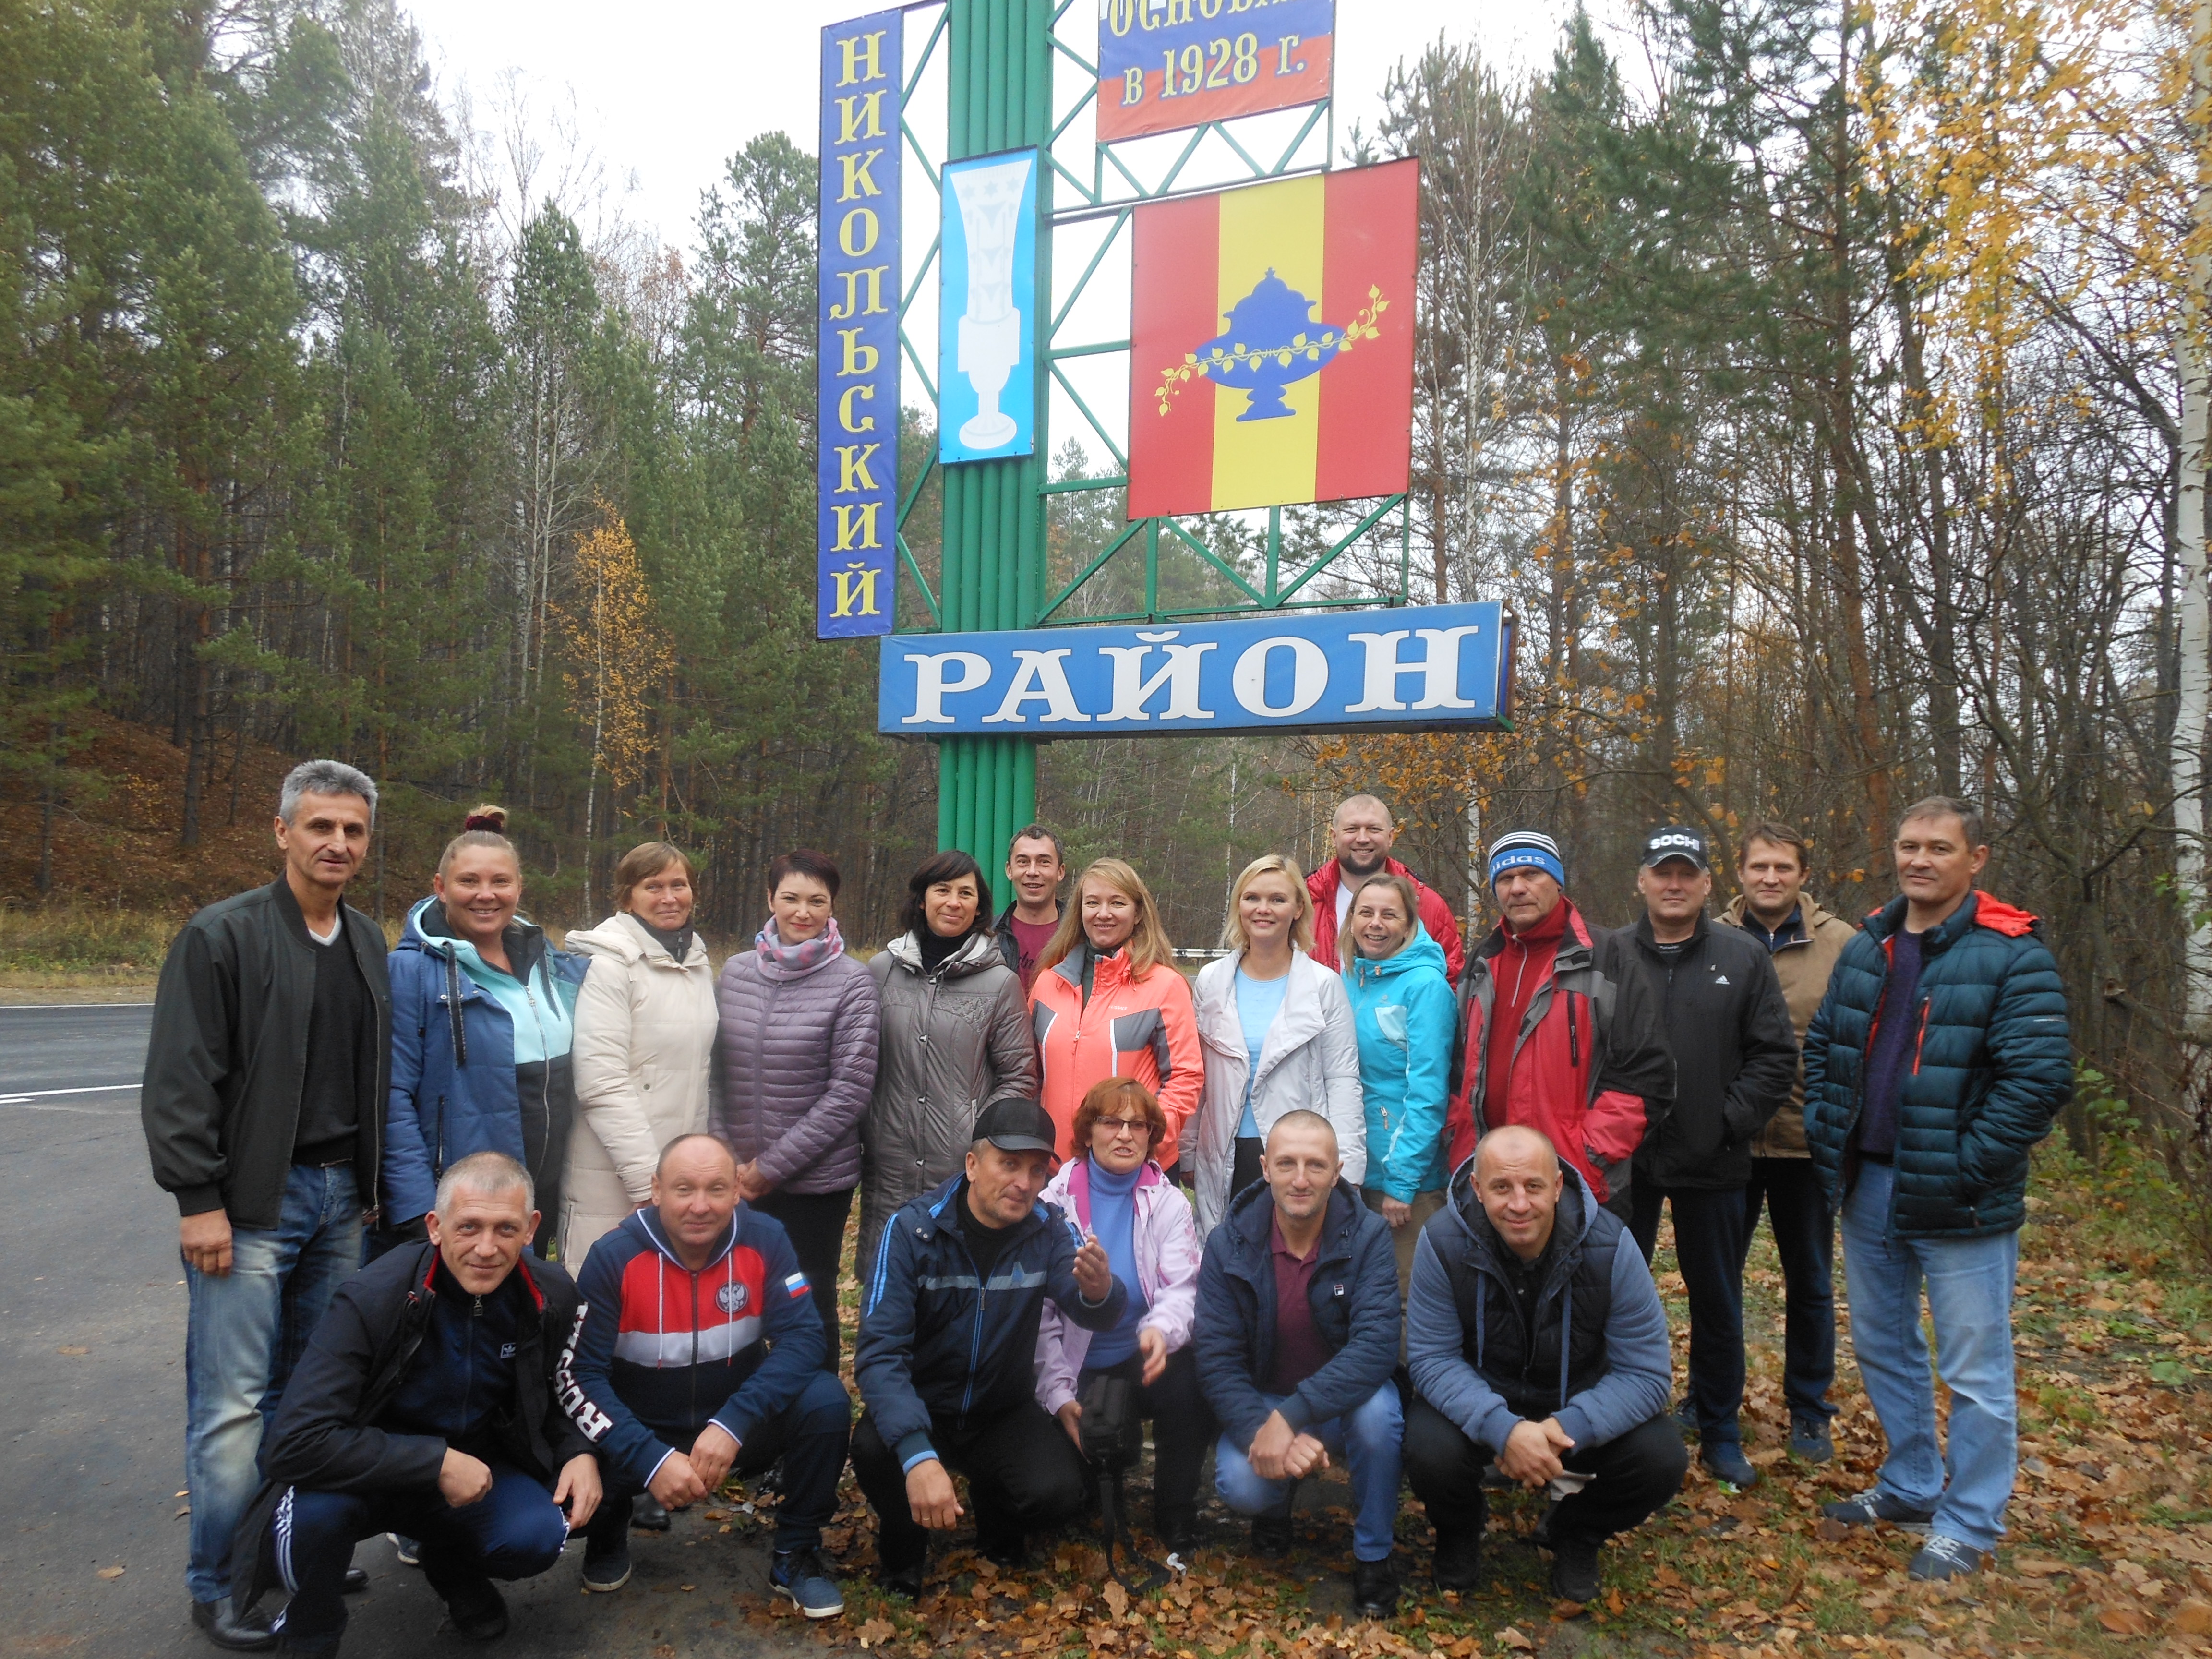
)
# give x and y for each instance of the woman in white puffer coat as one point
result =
(645, 1039)
(1276, 1026)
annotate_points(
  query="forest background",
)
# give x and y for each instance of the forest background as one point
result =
(1808, 386)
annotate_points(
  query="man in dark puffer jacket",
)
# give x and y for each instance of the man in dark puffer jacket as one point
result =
(1939, 1057)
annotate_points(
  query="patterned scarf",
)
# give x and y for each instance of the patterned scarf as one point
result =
(794, 961)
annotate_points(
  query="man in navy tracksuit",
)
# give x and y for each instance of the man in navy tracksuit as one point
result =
(945, 1361)
(424, 1405)
(698, 1351)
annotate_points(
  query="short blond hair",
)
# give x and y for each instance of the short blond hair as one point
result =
(1233, 936)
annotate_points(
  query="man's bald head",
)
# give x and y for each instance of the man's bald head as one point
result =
(1361, 806)
(696, 1144)
(1518, 1179)
(1514, 1142)
(1360, 833)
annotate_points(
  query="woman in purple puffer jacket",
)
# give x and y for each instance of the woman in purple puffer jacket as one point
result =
(795, 1056)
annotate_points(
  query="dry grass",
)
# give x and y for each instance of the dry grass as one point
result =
(72, 945)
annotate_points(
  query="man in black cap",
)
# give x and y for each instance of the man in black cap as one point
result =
(945, 1358)
(1735, 1064)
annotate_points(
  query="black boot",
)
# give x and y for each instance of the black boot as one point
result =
(1375, 1588)
(227, 1629)
(1271, 1536)
(647, 1515)
(1458, 1566)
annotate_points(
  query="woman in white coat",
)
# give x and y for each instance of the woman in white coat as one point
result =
(1277, 1030)
(645, 1035)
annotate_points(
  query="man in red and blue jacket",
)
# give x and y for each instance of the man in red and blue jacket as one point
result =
(698, 1354)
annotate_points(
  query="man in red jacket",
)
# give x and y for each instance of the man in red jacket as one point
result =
(1361, 833)
(1558, 1030)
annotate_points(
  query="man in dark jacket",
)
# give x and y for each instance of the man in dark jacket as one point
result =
(698, 1353)
(1556, 1028)
(1536, 1342)
(428, 1405)
(946, 1354)
(1736, 1061)
(264, 1111)
(1939, 1057)
(1296, 1337)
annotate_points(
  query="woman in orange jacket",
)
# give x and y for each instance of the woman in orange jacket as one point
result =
(1108, 1002)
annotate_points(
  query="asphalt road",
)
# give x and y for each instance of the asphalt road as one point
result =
(91, 1343)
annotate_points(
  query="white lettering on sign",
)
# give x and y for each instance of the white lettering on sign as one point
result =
(1040, 678)
(1439, 670)
(930, 687)
(1180, 674)
(1309, 677)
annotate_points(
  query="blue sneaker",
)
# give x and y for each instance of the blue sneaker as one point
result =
(1725, 1462)
(800, 1575)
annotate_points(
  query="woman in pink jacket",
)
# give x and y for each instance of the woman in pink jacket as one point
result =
(1115, 1191)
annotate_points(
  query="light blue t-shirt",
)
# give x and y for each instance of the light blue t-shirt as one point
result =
(1258, 1002)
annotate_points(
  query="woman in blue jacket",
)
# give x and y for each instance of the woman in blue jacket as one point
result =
(483, 1020)
(1405, 1017)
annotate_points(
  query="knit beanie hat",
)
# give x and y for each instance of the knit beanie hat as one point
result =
(1522, 849)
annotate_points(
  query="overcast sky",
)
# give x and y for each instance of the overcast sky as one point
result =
(666, 90)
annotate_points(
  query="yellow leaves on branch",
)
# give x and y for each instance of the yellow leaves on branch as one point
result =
(617, 653)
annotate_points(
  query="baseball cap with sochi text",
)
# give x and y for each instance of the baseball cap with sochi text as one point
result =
(1675, 842)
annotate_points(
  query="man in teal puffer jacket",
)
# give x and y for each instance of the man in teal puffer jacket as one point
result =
(1940, 1056)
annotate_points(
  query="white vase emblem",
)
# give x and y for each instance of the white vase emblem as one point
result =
(990, 199)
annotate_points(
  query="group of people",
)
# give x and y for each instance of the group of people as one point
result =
(491, 1242)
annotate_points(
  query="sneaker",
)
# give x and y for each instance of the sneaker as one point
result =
(607, 1562)
(355, 1582)
(1375, 1588)
(1177, 1530)
(1869, 1507)
(249, 1633)
(1809, 1437)
(409, 1552)
(1574, 1569)
(1726, 1462)
(799, 1576)
(1271, 1536)
(1942, 1558)
(1458, 1565)
(647, 1513)
(477, 1608)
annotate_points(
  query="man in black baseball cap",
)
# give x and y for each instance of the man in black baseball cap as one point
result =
(1736, 1061)
(946, 1371)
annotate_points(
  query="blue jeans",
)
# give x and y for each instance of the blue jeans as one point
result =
(1368, 1441)
(1969, 1286)
(245, 1333)
(514, 1531)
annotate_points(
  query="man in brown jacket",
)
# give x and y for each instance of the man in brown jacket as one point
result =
(1806, 940)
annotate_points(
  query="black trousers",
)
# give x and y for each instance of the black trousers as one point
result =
(1633, 1476)
(1805, 1238)
(1023, 1471)
(816, 1222)
(1709, 1245)
(1247, 1165)
(1182, 1428)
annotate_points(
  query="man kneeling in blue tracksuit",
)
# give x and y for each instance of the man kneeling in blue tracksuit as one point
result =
(699, 1351)
(424, 1405)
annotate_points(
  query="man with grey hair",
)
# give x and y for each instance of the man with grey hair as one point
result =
(429, 1403)
(264, 1111)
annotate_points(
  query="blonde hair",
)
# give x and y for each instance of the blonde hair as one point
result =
(482, 828)
(1347, 947)
(1233, 936)
(1148, 947)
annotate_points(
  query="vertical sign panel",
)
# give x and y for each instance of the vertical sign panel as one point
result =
(857, 327)
(1168, 64)
(988, 326)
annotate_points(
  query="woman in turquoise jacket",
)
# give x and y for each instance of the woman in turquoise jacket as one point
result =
(1404, 1016)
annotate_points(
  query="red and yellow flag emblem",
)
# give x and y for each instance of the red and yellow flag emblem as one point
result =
(1271, 342)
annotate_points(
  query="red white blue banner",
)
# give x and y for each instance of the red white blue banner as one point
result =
(1168, 64)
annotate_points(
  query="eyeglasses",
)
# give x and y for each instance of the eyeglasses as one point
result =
(1118, 1126)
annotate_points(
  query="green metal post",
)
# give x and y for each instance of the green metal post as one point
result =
(1001, 97)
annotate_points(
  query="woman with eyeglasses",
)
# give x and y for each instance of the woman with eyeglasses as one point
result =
(1114, 1189)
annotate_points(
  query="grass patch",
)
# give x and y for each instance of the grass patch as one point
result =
(72, 943)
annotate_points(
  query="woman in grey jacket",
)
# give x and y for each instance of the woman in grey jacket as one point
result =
(796, 1052)
(1277, 1030)
(956, 1037)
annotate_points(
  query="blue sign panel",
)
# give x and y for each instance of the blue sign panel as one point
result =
(987, 325)
(1427, 669)
(856, 323)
